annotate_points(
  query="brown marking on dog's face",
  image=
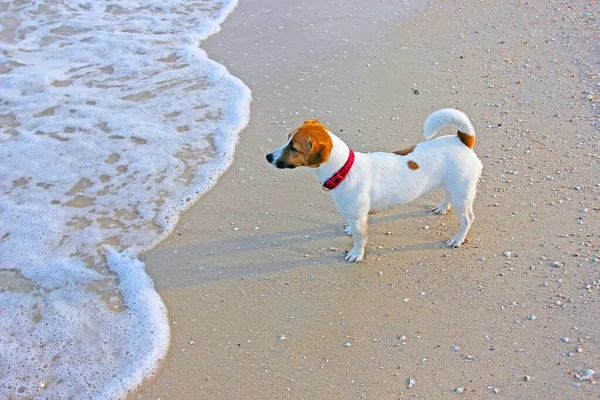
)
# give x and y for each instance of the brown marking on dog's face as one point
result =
(312, 122)
(310, 146)
(406, 151)
(468, 140)
(412, 165)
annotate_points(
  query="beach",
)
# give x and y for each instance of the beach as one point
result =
(260, 301)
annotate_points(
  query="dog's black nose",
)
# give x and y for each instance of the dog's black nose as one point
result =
(270, 157)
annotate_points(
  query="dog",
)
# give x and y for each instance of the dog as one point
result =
(364, 183)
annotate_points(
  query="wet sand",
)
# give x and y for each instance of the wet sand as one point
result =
(261, 301)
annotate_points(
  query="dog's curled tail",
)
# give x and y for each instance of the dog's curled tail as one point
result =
(450, 116)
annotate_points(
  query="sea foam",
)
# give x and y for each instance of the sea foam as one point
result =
(113, 121)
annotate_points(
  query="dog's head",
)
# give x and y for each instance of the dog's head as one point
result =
(309, 146)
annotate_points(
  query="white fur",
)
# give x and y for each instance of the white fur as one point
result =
(381, 180)
(445, 117)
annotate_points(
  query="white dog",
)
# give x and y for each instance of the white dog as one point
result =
(363, 183)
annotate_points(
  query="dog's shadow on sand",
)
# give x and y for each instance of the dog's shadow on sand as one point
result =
(264, 253)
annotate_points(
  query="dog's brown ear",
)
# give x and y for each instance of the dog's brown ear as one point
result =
(312, 122)
(316, 156)
(319, 152)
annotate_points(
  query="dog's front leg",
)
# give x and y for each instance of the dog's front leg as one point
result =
(358, 227)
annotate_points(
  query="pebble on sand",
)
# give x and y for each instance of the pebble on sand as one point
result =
(588, 375)
(411, 383)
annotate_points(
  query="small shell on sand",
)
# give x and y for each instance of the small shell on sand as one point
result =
(587, 376)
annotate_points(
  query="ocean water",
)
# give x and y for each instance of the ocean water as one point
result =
(112, 121)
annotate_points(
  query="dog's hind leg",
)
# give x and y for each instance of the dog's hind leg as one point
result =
(464, 209)
(358, 228)
(443, 207)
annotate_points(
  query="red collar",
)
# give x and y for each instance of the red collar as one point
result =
(339, 176)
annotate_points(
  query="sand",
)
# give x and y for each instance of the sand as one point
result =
(261, 301)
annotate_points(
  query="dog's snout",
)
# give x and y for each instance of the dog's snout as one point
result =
(277, 163)
(280, 164)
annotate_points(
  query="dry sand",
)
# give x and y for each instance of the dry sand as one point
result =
(261, 302)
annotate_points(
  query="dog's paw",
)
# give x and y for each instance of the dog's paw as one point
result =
(348, 230)
(441, 209)
(355, 255)
(454, 242)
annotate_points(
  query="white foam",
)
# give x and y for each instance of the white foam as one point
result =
(113, 121)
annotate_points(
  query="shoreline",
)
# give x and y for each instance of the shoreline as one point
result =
(267, 312)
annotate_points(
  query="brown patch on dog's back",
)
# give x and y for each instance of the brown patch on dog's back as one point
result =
(468, 140)
(412, 165)
(406, 151)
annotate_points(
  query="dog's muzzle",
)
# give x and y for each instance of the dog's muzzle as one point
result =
(278, 163)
